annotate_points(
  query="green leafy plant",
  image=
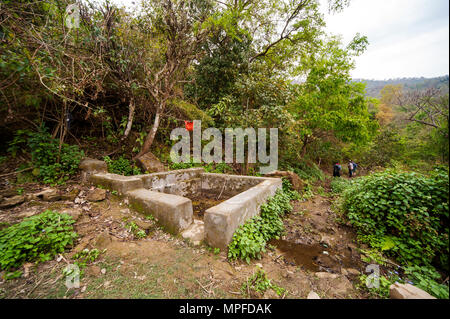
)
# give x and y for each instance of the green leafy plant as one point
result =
(338, 185)
(135, 230)
(83, 258)
(250, 239)
(54, 165)
(382, 291)
(405, 215)
(426, 278)
(36, 238)
(121, 166)
(259, 283)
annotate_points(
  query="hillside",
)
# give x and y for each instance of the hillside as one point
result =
(374, 87)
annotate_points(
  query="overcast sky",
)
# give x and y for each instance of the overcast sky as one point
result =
(408, 38)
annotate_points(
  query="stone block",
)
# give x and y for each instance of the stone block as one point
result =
(222, 220)
(173, 212)
(92, 165)
(408, 291)
(119, 183)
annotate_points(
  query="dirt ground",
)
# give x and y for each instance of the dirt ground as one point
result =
(316, 254)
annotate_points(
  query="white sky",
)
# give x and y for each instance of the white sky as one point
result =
(407, 38)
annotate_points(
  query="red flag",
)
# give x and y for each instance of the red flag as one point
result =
(189, 125)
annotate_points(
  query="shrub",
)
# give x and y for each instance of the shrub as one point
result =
(250, 239)
(36, 238)
(121, 166)
(426, 278)
(403, 214)
(339, 185)
(54, 165)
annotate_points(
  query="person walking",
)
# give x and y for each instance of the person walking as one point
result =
(337, 170)
(354, 168)
(350, 169)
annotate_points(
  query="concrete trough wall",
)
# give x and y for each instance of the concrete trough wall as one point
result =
(182, 182)
(221, 221)
(165, 196)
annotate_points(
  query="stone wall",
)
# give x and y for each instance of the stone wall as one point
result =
(165, 195)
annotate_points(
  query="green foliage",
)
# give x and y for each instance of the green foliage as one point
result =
(259, 283)
(338, 185)
(55, 165)
(250, 239)
(403, 214)
(121, 166)
(83, 258)
(135, 230)
(36, 238)
(426, 278)
(287, 189)
(307, 171)
(384, 283)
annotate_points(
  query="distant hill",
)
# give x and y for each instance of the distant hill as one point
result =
(373, 87)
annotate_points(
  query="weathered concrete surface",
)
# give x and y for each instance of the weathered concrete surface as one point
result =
(93, 165)
(150, 163)
(172, 211)
(89, 166)
(195, 233)
(222, 220)
(407, 291)
(182, 182)
(120, 183)
(228, 185)
(160, 194)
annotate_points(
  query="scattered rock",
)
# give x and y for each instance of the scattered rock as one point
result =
(103, 240)
(143, 224)
(195, 233)
(344, 272)
(75, 213)
(29, 212)
(407, 291)
(295, 180)
(70, 196)
(150, 163)
(270, 294)
(353, 272)
(12, 201)
(326, 275)
(8, 193)
(26, 269)
(93, 165)
(48, 195)
(327, 240)
(313, 295)
(96, 195)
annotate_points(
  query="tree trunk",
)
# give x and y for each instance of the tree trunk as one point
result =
(151, 135)
(130, 119)
(305, 143)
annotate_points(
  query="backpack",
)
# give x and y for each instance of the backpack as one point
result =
(355, 166)
(337, 168)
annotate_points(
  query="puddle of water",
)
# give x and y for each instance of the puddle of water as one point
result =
(312, 257)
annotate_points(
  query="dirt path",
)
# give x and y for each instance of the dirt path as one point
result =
(315, 254)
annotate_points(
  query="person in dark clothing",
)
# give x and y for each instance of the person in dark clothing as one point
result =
(337, 170)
